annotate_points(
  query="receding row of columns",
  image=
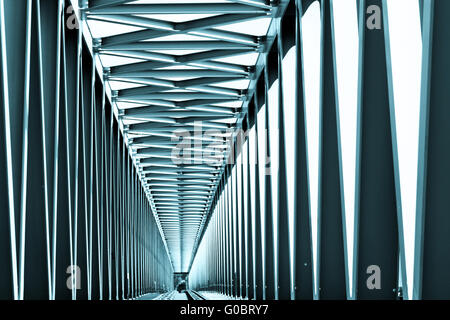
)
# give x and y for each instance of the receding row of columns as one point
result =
(258, 255)
(75, 220)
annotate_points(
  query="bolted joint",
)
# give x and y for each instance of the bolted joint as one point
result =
(261, 44)
(251, 70)
(244, 92)
(274, 3)
(114, 95)
(106, 73)
(83, 14)
(96, 44)
(83, 5)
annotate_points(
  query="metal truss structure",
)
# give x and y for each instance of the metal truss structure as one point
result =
(179, 109)
(135, 138)
(246, 254)
(75, 219)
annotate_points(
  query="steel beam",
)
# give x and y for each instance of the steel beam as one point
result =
(177, 8)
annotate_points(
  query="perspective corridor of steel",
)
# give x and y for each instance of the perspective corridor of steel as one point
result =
(180, 72)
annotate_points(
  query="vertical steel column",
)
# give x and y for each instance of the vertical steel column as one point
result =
(89, 211)
(331, 243)
(127, 224)
(104, 227)
(50, 23)
(117, 215)
(258, 227)
(132, 234)
(122, 219)
(72, 47)
(242, 229)
(109, 202)
(130, 225)
(303, 274)
(229, 262)
(146, 244)
(217, 244)
(283, 266)
(230, 233)
(221, 233)
(138, 239)
(62, 234)
(152, 246)
(154, 265)
(136, 236)
(144, 232)
(15, 126)
(141, 242)
(76, 159)
(214, 251)
(224, 248)
(376, 205)
(432, 237)
(97, 218)
(250, 273)
(237, 233)
(215, 248)
(269, 263)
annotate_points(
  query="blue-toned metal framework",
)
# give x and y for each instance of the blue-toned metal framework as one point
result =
(333, 269)
(175, 157)
(75, 220)
(180, 100)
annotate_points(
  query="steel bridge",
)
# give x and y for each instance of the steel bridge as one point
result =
(141, 139)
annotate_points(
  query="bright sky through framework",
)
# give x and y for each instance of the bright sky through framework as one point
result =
(405, 36)
(406, 53)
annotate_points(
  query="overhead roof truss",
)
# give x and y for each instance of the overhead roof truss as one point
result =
(176, 98)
